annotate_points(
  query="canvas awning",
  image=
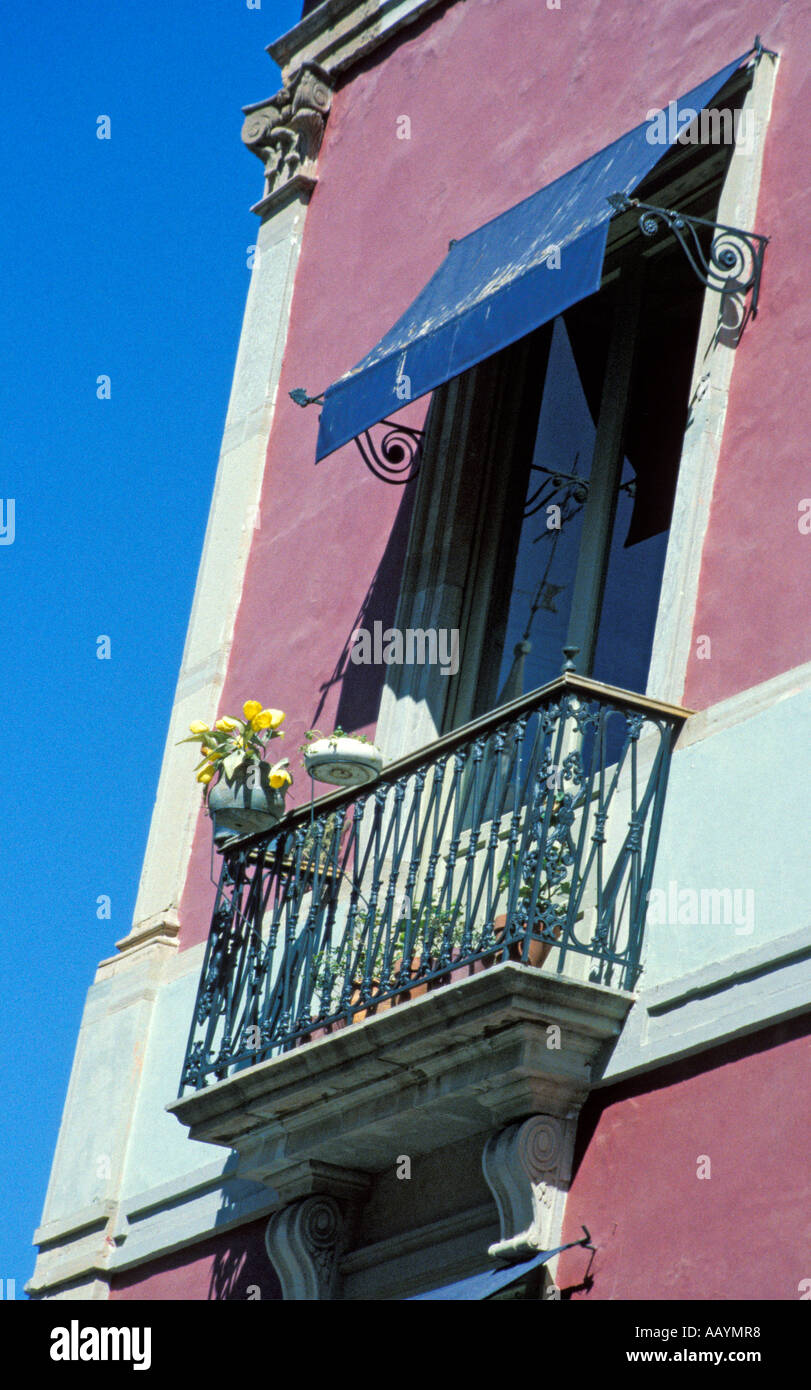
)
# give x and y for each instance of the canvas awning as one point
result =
(505, 279)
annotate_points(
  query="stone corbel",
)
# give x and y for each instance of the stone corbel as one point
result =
(527, 1168)
(304, 1242)
(286, 133)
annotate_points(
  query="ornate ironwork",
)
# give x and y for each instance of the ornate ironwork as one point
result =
(735, 259)
(553, 481)
(398, 456)
(530, 834)
(396, 459)
(574, 486)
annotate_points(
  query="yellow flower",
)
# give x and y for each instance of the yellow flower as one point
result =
(267, 719)
(251, 708)
(205, 774)
(210, 752)
(198, 727)
(280, 779)
(227, 724)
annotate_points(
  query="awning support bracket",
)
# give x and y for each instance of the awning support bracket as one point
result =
(734, 263)
(396, 459)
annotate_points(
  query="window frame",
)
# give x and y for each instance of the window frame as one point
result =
(461, 493)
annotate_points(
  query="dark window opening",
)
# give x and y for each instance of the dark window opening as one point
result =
(554, 585)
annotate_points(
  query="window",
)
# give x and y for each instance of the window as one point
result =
(544, 504)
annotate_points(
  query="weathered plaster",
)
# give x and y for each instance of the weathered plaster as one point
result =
(665, 1225)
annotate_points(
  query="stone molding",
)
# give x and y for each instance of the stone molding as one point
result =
(417, 1076)
(527, 1168)
(304, 1243)
(286, 131)
(303, 1178)
(161, 930)
(338, 33)
(74, 1255)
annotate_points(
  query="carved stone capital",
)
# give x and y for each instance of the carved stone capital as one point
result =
(286, 133)
(527, 1168)
(304, 1242)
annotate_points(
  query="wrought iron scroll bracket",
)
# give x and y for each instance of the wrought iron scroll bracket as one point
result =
(397, 457)
(734, 263)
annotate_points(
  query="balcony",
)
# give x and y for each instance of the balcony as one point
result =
(442, 951)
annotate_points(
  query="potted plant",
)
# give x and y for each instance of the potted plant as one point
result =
(551, 905)
(333, 966)
(343, 760)
(244, 793)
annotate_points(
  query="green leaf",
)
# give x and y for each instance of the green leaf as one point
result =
(230, 763)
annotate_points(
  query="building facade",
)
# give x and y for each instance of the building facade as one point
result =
(550, 972)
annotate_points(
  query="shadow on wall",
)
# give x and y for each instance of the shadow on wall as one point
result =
(361, 686)
(241, 1271)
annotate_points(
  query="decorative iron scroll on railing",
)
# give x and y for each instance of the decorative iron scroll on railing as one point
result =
(528, 835)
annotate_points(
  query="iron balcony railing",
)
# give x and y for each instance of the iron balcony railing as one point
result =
(529, 834)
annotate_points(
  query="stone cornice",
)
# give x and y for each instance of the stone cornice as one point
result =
(286, 131)
(339, 32)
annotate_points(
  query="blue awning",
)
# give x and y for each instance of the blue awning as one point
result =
(480, 1286)
(505, 279)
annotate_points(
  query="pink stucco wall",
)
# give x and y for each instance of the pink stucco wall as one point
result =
(662, 1232)
(228, 1267)
(503, 96)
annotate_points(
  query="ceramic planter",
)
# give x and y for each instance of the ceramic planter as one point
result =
(239, 808)
(343, 762)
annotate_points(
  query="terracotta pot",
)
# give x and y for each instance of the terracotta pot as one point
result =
(371, 1008)
(402, 997)
(538, 950)
(414, 991)
(460, 972)
(323, 1032)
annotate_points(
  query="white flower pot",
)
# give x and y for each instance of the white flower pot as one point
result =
(343, 762)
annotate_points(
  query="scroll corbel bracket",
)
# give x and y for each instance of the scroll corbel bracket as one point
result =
(304, 1242)
(527, 1168)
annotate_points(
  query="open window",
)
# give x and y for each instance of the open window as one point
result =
(544, 504)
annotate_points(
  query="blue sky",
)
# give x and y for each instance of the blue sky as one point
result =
(124, 257)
